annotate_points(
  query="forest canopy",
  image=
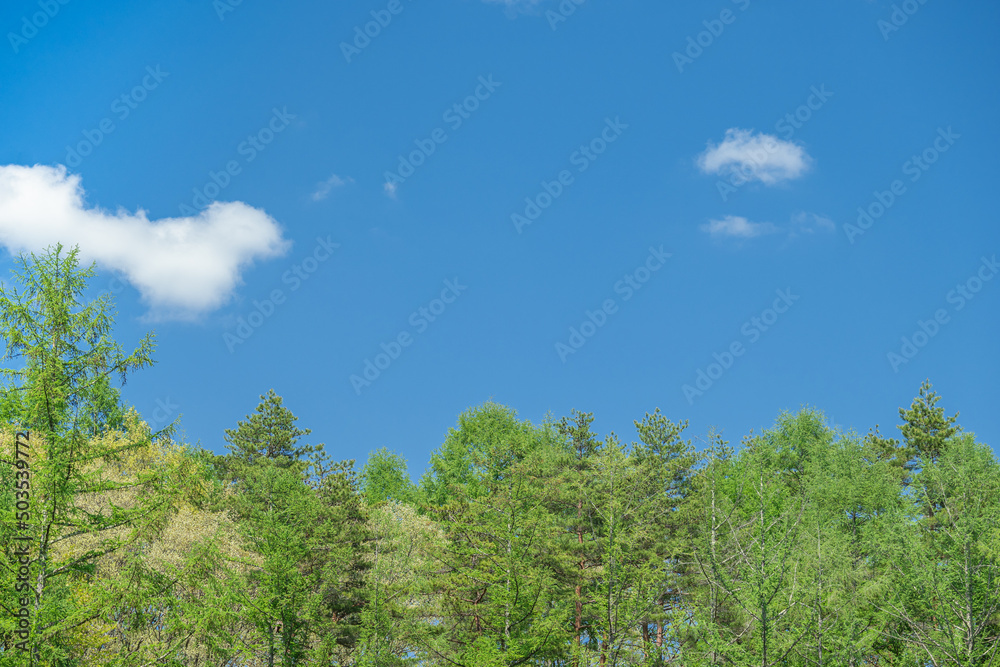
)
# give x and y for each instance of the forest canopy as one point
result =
(522, 544)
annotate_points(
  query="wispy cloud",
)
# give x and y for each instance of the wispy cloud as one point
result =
(734, 226)
(760, 157)
(515, 7)
(514, 3)
(738, 227)
(810, 223)
(182, 267)
(324, 188)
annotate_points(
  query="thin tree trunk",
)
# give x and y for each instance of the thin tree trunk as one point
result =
(578, 622)
(819, 594)
(763, 565)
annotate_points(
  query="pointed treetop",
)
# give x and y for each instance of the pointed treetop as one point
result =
(577, 429)
(660, 436)
(925, 427)
(269, 433)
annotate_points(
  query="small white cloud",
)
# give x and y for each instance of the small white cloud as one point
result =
(738, 227)
(513, 3)
(324, 188)
(514, 7)
(390, 189)
(182, 267)
(759, 157)
(809, 223)
(734, 226)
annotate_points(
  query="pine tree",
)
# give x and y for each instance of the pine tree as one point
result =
(269, 433)
(583, 444)
(925, 427)
(665, 462)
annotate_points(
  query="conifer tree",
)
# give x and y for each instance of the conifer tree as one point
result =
(385, 478)
(583, 444)
(496, 571)
(944, 599)
(268, 434)
(62, 393)
(926, 430)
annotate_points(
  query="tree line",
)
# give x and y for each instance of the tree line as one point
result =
(522, 544)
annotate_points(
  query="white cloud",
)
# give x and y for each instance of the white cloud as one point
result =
(809, 223)
(390, 189)
(750, 157)
(513, 3)
(182, 267)
(323, 189)
(738, 227)
(515, 7)
(734, 226)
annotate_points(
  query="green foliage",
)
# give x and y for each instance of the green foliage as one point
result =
(61, 392)
(945, 569)
(500, 596)
(385, 478)
(268, 434)
(397, 601)
(926, 429)
(755, 523)
(488, 441)
(547, 545)
(62, 389)
(304, 522)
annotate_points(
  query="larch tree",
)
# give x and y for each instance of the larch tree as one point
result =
(945, 594)
(60, 363)
(385, 477)
(495, 574)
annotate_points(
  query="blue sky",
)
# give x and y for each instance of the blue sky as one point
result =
(633, 205)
